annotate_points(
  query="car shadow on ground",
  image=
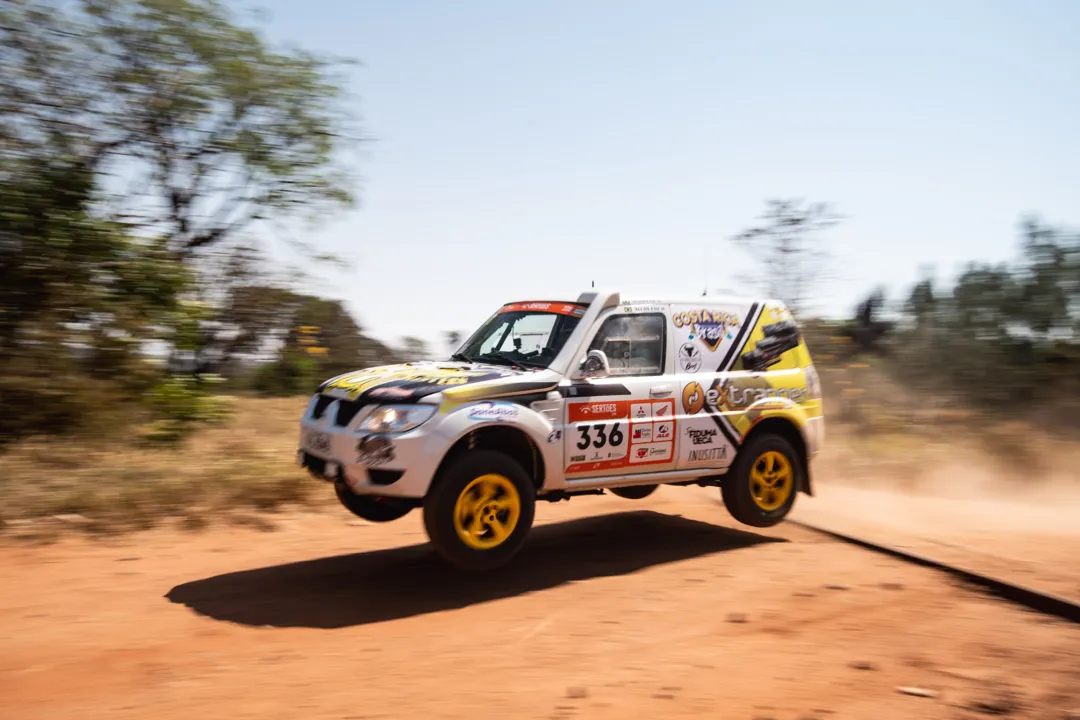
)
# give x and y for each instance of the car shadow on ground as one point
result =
(377, 586)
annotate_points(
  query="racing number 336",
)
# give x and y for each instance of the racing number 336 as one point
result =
(603, 437)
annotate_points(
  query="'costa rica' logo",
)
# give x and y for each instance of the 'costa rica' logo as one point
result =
(710, 326)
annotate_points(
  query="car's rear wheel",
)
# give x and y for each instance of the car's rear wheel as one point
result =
(479, 510)
(370, 507)
(761, 486)
(634, 492)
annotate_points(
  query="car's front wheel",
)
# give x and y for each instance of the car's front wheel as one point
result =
(370, 507)
(479, 510)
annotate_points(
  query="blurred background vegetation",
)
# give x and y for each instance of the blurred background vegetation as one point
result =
(145, 143)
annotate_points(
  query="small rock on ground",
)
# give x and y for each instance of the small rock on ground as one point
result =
(862, 665)
(736, 618)
(917, 692)
(576, 692)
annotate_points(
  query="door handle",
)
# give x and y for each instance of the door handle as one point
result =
(660, 390)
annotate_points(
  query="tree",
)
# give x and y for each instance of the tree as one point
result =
(209, 127)
(137, 138)
(320, 340)
(413, 349)
(866, 329)
(453, 340)
(785, 243)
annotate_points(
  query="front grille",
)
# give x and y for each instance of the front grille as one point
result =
(346, 411)
(320, 406)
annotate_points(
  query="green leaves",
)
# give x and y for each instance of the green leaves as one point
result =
(136, 138)
(214, 126)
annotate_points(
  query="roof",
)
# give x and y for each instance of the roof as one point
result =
(703, 300)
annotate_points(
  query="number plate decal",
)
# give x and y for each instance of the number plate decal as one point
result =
(317, 443)
(619, 434)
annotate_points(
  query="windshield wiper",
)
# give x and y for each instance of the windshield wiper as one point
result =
(503, 359)
(461, 357)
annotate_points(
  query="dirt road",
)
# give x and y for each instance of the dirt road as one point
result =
(616, 609)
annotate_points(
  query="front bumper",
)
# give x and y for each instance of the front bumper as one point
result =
(399, 465)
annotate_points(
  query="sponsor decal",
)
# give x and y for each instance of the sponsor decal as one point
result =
(707, 455)
(711, 327)
(416, 380)
(607, 435)
(493, 410)
(662, 431)
(695, 399)
(652, 453)
(317, 442)
(599, 410)
(689, 358)
(701, 436)
(554, 436)
(778, 338)
(551, 307)
(743, 397)
(391, 392)
(374, 450)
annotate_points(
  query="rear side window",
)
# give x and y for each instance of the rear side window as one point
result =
(634, 344)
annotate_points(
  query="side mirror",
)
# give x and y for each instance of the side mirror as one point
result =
(593, 365)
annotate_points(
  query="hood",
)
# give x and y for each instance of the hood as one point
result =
(409, 382)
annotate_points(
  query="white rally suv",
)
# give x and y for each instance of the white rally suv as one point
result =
(547, 400)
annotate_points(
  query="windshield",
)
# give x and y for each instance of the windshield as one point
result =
(523, 334)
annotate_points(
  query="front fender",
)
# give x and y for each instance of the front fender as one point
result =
(466, 418)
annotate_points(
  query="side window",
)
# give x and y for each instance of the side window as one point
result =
(634, 344)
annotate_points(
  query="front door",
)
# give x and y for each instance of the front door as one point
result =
(624, 423)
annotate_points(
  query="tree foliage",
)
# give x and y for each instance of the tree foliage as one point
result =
(1000, 336)
(140, 142)
(191, 124)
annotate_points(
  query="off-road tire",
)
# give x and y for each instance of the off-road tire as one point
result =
(441, 501)
(369, 507)
(735, 488)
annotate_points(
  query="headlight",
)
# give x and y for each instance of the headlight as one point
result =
(397, 418)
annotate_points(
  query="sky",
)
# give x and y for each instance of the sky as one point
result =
(525, 150)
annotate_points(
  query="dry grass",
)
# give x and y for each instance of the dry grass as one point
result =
(228, 472)
(882, 433)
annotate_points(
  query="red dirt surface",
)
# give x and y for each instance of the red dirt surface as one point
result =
(659, 608)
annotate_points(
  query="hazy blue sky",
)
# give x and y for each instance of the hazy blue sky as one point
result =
(521, 150)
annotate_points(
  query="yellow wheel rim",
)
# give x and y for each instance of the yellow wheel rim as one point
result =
(772, 480)
(487, 511)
